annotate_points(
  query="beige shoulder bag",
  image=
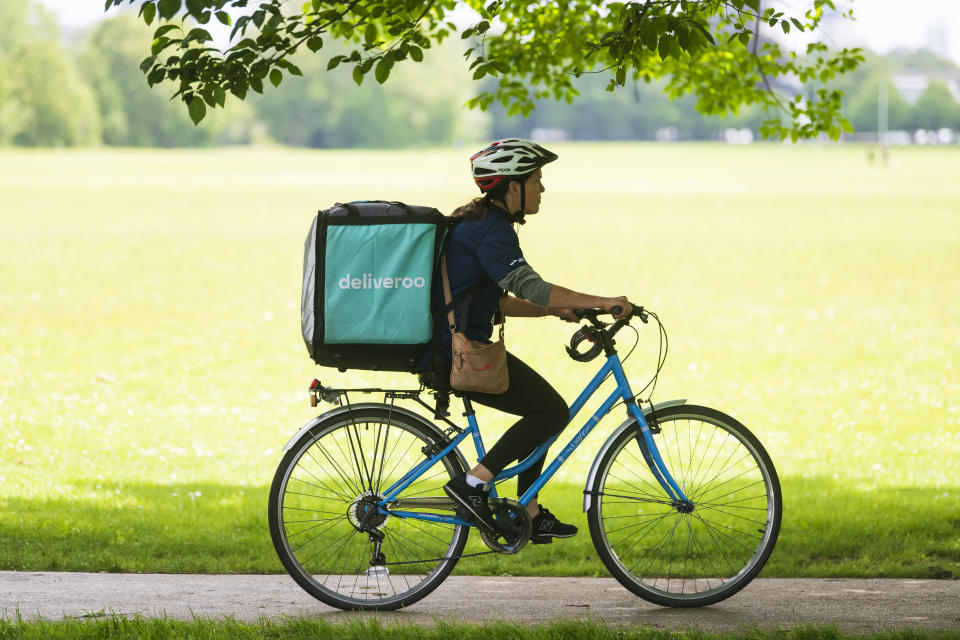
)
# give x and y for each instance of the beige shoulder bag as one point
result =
(477, 366)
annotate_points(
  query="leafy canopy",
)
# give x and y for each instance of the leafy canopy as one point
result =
(714, 49)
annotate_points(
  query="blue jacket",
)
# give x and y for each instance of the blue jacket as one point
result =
(478, 251)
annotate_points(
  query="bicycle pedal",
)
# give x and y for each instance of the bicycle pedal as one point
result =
(534, 540)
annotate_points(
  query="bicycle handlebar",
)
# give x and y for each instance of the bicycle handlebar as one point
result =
(592, 314)
(601, 332)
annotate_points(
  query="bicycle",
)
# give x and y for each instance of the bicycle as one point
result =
(683, 502)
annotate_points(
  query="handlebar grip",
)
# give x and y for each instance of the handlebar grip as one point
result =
(593, 313)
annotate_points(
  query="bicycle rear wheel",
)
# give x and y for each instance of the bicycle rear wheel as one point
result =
(325, 485)
(684, 555)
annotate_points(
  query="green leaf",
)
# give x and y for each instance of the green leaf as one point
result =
(315, 43)
(335, 62)
(147, 63)
(276, 76)
(168, 8)
(220, 95)
(785, 26)
(164, 30)
(416, 53)
(199, 35)
(256, 84)
(665, 46)
(480, 72)
(706, 33)
(382, 72)
(239, 89)
(744, 37)
(149, 11)
(208, 96)
(370, 35)
(223, 17)
(621, 75)
(797, 24)
(197, 110)
(156, 76)
(294, 69)
(358, 75)
(158, 45)
(241, 23)
(258, 17)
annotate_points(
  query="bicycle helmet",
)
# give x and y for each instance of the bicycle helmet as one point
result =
(507, 158)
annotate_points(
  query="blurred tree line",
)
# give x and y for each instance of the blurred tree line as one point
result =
(93, 92)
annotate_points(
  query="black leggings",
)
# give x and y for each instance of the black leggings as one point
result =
(544, 415)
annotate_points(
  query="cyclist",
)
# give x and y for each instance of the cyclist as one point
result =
(484, 247)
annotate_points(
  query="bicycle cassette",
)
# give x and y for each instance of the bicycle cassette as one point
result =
(585, 334)
(515, 524)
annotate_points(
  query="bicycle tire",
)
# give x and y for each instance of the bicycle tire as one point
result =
(678, 559)
(323, 486)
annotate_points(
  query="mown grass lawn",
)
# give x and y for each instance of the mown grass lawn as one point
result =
(151, 367)
(118, 628)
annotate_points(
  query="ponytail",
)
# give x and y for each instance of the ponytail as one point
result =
(476, 209)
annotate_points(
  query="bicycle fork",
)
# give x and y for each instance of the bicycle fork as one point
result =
(651, 455)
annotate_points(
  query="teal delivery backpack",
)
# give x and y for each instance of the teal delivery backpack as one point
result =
(368, 272)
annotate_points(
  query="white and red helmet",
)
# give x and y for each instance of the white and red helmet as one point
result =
(510, 157)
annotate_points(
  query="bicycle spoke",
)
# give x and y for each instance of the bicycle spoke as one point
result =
(344, 464)
(697, 552)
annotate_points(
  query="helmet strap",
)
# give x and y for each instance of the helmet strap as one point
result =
(523, 199)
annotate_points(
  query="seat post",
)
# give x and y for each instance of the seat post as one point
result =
(467, 407)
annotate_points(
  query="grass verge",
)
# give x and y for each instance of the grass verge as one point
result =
(151, 366)
(139, 628)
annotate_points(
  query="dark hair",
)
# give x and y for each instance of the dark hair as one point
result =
(476, 209)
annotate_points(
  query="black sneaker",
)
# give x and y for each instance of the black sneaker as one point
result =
(474, 501)
(546, 527)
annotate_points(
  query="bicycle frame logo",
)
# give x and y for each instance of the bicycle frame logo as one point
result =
(622, 392)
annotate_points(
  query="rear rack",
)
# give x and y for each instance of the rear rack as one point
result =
(319, 393)
(441, 410)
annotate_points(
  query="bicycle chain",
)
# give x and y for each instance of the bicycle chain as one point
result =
(468, 555)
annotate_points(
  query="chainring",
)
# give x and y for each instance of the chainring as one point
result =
(515, 524)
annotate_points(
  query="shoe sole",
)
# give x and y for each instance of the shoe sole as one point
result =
(480, 524)
(545, 538)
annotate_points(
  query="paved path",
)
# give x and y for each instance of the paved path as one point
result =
(854, 605)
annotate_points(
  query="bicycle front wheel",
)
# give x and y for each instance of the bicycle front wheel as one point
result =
(686, 554)
(330, 480)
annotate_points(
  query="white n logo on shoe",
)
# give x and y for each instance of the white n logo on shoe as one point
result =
(476, 501)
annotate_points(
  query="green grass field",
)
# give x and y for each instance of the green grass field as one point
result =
(151, 367)
(138, 628)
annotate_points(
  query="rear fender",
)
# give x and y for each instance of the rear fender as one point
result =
(434, 430)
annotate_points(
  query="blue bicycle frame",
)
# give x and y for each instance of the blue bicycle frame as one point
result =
(622, 392)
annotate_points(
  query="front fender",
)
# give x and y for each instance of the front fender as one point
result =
(626, 424)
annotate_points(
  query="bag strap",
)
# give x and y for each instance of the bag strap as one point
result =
(447, 297)
(463, 298)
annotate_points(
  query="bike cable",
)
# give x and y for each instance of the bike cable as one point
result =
(662, 350)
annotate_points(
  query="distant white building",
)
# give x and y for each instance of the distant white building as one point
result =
(912, 85)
